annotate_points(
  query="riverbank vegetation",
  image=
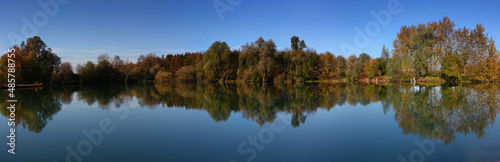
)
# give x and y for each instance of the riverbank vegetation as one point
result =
(434, 52)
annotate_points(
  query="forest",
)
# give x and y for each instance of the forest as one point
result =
(435, 49)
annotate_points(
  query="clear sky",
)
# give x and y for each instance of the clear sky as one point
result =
(80, 30)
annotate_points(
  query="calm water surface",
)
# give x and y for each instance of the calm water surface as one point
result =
(339, 122)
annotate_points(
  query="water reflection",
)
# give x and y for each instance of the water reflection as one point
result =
(37, 108)
(439, 112)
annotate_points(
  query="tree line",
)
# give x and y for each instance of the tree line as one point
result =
(435, 49)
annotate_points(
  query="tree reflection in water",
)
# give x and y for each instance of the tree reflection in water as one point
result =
(436, 112)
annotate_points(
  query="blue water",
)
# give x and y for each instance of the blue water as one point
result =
(289, 123)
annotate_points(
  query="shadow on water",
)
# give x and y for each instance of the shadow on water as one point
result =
(436, 112)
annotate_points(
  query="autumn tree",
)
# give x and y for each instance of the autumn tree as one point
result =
(371, 68)
(437, 49)
(146, 68)
(36, 62)
(66, 73)
(186, 74)
(340, 67)
(402, 48)
(328, 66)
(178, 63)
(491, 64)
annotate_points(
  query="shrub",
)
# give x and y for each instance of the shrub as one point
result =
(186, 74)
(163, 76)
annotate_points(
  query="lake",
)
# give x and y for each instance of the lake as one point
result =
(246, 122)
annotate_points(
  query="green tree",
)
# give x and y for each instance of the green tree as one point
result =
(352, 66)
(87, 72)
(216, 62)
(363, 58)
(384, 59)
(247, 62)
(394, 66)
(302, 45)
(266, 64)
(295, 43)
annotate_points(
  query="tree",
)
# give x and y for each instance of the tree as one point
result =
(371, 68)
(178, 63)
(328, 66)
(437, 49)
(36, 62)
(491, 65)
(217, 60)
(306, 65)
(402, 47)
(394, 66)
(163, 76)
(302, 45)
(267, 60)
(247, 62)
(352, 71)
(168, 62)
(452, 68)
(88, 72)
(362, 60)
(66, 73)
(341, 67)
(295, 43)
(117, 62)
(384, 59)
(146, 68)
(105, 73)
(422, 43)
(186, 74)
(479, 48)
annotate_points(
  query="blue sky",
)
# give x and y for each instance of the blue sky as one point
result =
(83, 29)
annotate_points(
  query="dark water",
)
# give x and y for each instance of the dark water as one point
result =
(336, 122)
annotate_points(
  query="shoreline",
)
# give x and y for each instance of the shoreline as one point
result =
(288, 82)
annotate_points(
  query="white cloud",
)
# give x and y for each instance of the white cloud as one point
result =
(99, 51)
(57, 50)
(237, 47)
(79, 56)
